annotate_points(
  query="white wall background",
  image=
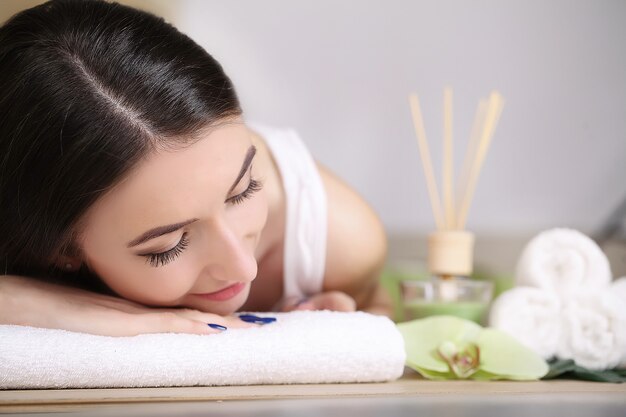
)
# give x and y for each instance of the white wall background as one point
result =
(340, 70)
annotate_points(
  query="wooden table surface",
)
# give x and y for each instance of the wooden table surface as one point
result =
(410, 386)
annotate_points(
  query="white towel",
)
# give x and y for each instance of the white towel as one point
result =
(306, 212)
(531, 315)
(300, 347)
(618, 287)
(562, 260)
(593, 329)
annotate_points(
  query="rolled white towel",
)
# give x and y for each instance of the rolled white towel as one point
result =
(531, 315)
(300, 347)
(618, 287)
(563, 260)
(593, 329)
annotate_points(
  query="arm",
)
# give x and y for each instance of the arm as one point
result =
(30, 302)
(357, 248)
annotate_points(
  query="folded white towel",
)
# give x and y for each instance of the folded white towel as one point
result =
(531, 315)
(618, 287)
(593, 326)
(563, 260)
(300, 347)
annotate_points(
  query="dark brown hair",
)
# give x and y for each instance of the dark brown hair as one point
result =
(87, 89)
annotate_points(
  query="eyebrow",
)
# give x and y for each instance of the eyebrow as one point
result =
(159, 231)
(244, 167)
(163, 230)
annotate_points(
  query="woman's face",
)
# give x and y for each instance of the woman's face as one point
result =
(182, 228)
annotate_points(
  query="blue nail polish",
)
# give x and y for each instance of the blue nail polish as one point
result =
(250, 318)
(217, 326)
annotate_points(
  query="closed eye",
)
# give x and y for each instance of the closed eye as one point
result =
(163, 258)
(253, 187)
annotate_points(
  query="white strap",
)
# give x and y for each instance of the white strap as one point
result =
(306, 212)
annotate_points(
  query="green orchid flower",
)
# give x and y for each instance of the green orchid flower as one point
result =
(447, 347)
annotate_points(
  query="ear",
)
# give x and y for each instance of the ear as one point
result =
(68, 263)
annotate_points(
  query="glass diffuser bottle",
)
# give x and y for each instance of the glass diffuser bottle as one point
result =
(450, 291)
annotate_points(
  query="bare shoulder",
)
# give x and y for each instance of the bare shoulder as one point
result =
(357, 244)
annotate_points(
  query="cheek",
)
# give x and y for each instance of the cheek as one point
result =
(261, 209)
(250, 218)
(134, 279)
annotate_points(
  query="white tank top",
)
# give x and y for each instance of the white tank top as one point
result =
(306, 213)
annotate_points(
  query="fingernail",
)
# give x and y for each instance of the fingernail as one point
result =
(217, 326)
(250, 318)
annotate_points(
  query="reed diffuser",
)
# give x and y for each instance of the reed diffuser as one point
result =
(450, 246)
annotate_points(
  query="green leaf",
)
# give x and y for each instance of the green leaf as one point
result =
(559, 367)
(598, 376)
(567, 369)
(422, 338)
(503, 355)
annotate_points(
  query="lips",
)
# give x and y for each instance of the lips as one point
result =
(223, 294)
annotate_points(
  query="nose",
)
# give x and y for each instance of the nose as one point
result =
(230, 255)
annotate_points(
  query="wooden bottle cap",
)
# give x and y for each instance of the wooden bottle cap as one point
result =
(450, 252)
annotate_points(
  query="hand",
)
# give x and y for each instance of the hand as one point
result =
(332, 300)
(30, 302)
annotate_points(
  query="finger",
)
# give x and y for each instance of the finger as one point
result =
(236, 323)
(307, 305)
(288, 304)
(343, 302)
(168, 322)
(298, 304)
(117, 323)
(336, 301)
(228, 321)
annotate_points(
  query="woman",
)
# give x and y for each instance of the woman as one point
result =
(135, 199)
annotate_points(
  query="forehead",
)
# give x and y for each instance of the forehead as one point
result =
(169, 186)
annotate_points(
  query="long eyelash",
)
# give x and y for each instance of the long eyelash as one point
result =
(163, 258)
(160, 259)
(255, 185)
